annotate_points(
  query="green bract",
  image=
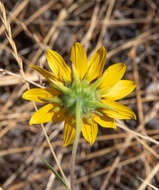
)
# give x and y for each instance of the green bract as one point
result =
(80, 91)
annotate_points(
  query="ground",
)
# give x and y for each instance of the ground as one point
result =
(122, 159)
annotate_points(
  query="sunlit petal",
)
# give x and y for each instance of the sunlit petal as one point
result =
(105, 121)
(43, 115)
(47, 75)
(79, 59)
(38, 94)
(69, 131)
(96, 64)
(89, 131)
(112, 75)
(119, 111)
(58, 66)
(120, 89)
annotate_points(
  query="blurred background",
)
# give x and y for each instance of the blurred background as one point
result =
(120, 159)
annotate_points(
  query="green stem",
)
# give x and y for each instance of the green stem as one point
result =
(75, 144)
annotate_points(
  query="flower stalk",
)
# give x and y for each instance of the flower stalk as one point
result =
(75, 144)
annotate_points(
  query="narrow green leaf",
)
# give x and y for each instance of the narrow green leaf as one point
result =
(55, 173)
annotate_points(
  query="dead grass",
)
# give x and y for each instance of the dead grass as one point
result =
(125, 159)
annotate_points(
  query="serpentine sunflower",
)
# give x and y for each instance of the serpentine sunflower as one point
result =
(87, 84)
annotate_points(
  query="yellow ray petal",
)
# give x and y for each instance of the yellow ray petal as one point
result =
(120, 111)
(112, 75)
(120, 89)
(89, 131)
(96, 64)
(43, 115)
(43, 72)
(79, 59)
(58, 66)
(69, 131)
(105, 121)
(38, 94)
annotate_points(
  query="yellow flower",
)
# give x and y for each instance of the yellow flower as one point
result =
(96, 90)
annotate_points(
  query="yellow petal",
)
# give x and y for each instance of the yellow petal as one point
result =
(120, 89)
(69, 131)
(58, 66)
(112, 75)
(79, 59)
(43, 72)
(120, 111)
(38, 94)
(96, 64)
(43, 115)
(89, 131)
(105, 121)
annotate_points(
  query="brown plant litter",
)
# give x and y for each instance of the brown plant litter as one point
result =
(125, 159)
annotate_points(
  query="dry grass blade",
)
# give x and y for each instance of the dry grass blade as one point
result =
(10, 39)
(122, 126)
(149, 177)
(16, 11)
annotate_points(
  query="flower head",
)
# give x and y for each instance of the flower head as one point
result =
(97, 92)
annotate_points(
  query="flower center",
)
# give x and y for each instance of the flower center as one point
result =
(82, 92)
